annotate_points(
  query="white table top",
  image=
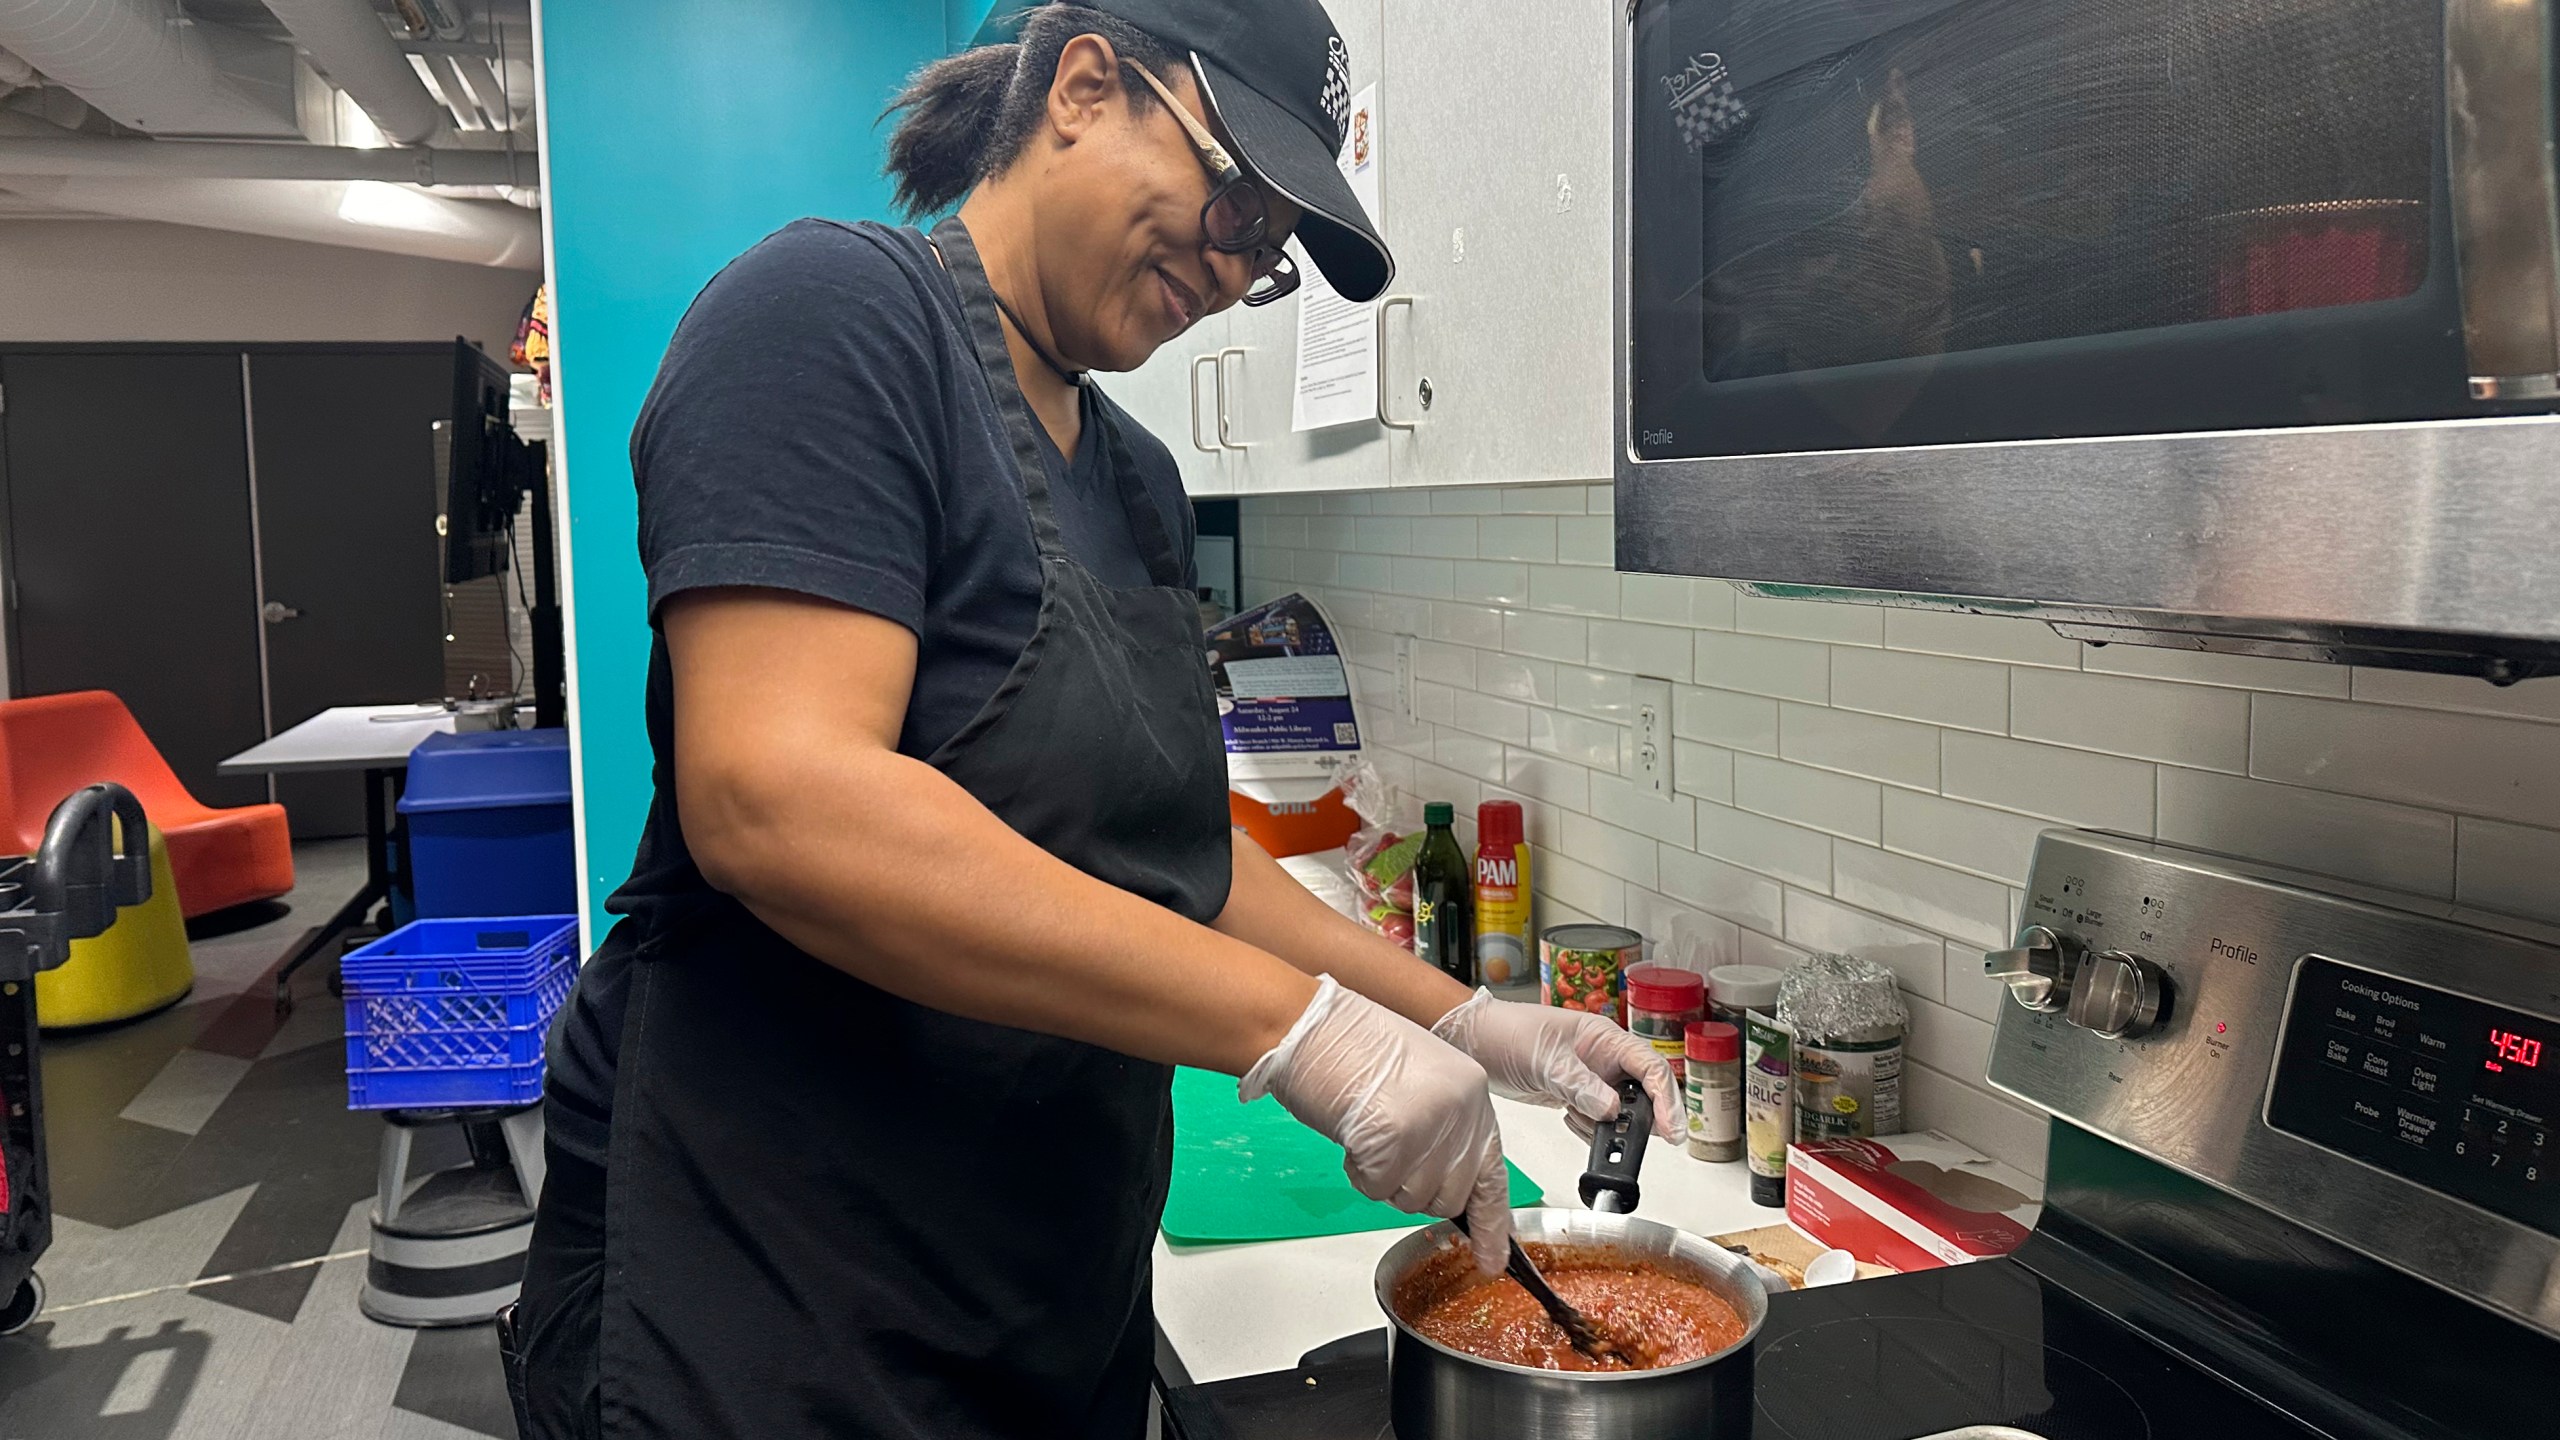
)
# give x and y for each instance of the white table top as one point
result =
(343, 737)
(1243, 1309)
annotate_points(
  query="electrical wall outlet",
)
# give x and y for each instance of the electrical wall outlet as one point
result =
(1408, 689)
(1648, 761)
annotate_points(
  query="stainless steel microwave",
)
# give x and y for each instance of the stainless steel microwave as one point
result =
(2232, 324)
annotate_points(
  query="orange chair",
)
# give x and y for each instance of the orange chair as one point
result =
(51, 745)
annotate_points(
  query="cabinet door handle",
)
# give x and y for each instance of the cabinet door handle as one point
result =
(1203, 446)
(1379, 363)
(1226, 426)
(2506, 196)
(276, 612)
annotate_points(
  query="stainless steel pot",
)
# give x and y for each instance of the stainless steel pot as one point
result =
(1437, 1393)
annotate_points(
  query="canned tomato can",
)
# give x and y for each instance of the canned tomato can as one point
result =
(1584, 967)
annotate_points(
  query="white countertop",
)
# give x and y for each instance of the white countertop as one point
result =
(1243, 1309)
(343, 737)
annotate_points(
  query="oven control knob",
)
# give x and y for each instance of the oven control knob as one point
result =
(2119, 996)
(2039, 971)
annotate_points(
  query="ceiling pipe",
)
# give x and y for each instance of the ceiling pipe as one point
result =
(140, 61)
(14, 73)
(363, 214)
(218, 160)
(345, 39)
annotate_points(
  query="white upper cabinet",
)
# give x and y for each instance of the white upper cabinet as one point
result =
(1497, 162)
(1175, 403)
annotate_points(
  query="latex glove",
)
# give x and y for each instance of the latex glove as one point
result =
(1549, 1056)
(1412, 1115)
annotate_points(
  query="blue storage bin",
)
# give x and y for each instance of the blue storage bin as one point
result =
(488, 821)
(453, 1012)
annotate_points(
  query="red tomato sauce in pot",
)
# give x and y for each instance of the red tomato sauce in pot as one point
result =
(1660, 1318)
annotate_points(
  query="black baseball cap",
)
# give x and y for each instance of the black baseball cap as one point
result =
(1278, 74)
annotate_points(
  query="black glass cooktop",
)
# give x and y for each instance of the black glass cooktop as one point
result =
(1888, 1359)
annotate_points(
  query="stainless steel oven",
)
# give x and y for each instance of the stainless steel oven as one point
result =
(2225, 323)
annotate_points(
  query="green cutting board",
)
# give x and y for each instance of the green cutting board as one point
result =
(1252, 1172)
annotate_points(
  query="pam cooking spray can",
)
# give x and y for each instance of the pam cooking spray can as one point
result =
(1506, 959)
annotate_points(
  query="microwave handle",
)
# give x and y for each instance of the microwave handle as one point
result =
(2506, 195)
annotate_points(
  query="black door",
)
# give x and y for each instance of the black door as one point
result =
(346, 519)
(129, 547)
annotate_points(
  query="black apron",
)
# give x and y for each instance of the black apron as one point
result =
(831, 1212)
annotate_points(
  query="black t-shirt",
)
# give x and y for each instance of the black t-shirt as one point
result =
(820, 424)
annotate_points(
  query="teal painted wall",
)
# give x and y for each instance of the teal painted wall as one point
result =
(677, 133)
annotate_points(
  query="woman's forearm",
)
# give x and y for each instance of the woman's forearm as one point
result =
(920, 890)
(1268, 909)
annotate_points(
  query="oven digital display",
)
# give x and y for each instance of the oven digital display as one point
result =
(2447, 1091)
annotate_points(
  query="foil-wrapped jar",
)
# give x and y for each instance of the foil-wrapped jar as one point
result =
(1849, 1023)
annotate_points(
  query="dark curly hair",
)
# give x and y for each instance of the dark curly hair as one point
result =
(966, 117)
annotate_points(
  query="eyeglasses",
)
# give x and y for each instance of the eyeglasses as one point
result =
(1237, 217)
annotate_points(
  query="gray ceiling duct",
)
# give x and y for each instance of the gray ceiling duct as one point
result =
(24, 150)
(346, 41)
(147, 66)
(364, 214)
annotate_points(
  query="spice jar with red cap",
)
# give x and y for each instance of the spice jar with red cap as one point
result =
(1661, 1001)
(1714, 1086)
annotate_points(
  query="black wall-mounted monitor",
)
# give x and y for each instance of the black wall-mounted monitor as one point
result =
(483, 468)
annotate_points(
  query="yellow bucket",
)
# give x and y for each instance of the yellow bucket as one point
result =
(139, 965)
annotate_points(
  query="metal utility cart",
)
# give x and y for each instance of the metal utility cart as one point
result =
(95, 860)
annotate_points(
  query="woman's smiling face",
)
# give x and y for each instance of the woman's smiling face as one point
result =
(1125, 264)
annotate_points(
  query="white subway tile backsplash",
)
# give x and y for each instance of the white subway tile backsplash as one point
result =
(1473, 756)
(1598, 693)
(1444, 664)
(1657, 599)
(1817, 799)
(1495, 719)
(1966, 694)
(2530, 699)
(1446, 537)
(2008, 1133)
(2070, 785)
(1489, 582)
(1880, 749)
(1949, 902)
(1476, 625)
(1831, 622)
(1744, 896)
(1758, 665)
(2195, 725)
(2243, 672)
(1422, 578)
(1543, 499)
(1572, 737)
(1656, 650)
(2388, 845)
(1672, 821)
(1946, 1039)
(1831, 794)
(2470, 764)
(1574, 589)
(1992, 843)
(1587, 540)
(1557, 782)
(1587, 888)
(1772, 847)
(2514, 868)
(1917, 959)
(1622, 853)
(1600, 499)
(1702, 770)
(1979, 637)
(1548, 637)
(1739, 722)
(1516, 537)
(1532, 682)
(1369, 572)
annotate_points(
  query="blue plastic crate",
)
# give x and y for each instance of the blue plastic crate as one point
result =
(453, 1012)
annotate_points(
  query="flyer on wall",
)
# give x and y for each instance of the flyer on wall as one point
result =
(1338, 339)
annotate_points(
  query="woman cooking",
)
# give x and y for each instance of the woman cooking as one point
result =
(859, 1119)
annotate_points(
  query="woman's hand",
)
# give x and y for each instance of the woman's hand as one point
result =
(1413, 1116)
(1548, 1056)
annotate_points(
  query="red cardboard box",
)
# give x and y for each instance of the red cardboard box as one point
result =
(1908, 1202)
